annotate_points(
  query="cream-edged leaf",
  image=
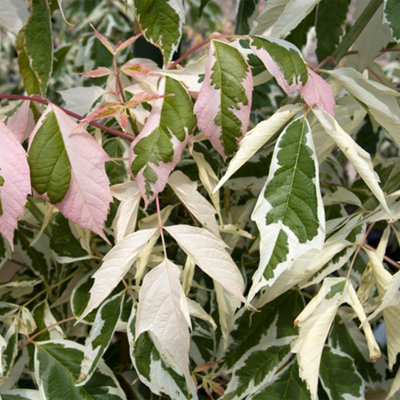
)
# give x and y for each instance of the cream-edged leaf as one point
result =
(124, 221)
(187, 192)
(359, 158)
(116, 264)
(197, 311)
(257, 137)
(209, 253)
(289, 212)
(163, 311)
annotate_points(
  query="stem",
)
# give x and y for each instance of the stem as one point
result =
(356, 29)
(386, 258)
(359, 246)
(32, 338)
(189, 52)
(160, 227)
(40, 99)
(128, 289)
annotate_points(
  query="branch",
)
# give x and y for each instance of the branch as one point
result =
(42, 100)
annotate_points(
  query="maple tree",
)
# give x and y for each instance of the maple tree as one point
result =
(190, 215)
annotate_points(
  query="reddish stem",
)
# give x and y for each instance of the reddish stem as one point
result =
(40, 99)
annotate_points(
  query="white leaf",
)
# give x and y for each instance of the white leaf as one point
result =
(294, 12)
(315, 322)
(380, 100)
(269, 15)
(125, 220)
(360, 159)
(187, 192)
(257, 137)
(197, 311)
(81, 98)
(163, 311)
(209, 253)
(116, 264)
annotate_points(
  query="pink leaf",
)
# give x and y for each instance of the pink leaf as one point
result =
(105, 111)
(97, 73)
(87, 199)
(318, 92)
(14, 170)
(136, 70)
(103, 40)
(122, 46)
(21, 123)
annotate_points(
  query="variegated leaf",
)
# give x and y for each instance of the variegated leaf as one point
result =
(151, 367)
(100, 336)
(289, 212)
(157, 149)
(162, 22)
(223, 105)
(283, 60)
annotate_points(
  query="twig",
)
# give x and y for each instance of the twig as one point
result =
(42, 100)
(32, 338)
(160, 226)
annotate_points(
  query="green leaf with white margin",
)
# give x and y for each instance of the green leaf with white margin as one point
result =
(289, 212)
(347, 337)
(257, 137)
(187, 192)
(209, 253)
(315, 322)
(157, 149)
(392, 17)
(44, 318)
(360, 159)
(162, 22)
(383, 278)
(116, 264)
(164, 312)
(100, 336)
(283, 60)
(339, 376)
(269, 15)
(10, 351)
(21, 394)
(57, 367)
(287, 386)
(258, 365)
(152, 369)
(250, 329)
(380, 100)
(38, 44)
(224, 102)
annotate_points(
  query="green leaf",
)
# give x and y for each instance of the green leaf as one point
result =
(287, 386)
(156, 151)
(151, 368)
(245, 11)
(339, 376)
(38, 42)
(392, 15)
(57, 366)
(31, 83)
(163, 22)
(100, 335)
(331, 17)
(80, 297)
(48, 160)
(43, 319)
(63, 242)
(21, 394)
(289, 212)
(116, 170)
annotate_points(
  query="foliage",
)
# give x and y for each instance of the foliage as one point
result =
(197, 215)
